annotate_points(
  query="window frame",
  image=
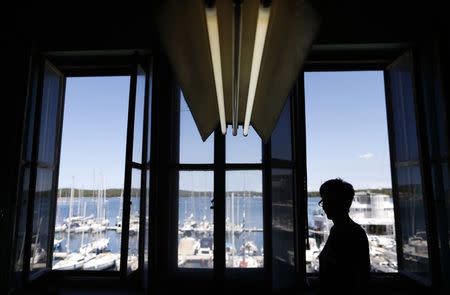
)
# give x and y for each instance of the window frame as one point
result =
(219, 273)
(376, 57)
(87, 64)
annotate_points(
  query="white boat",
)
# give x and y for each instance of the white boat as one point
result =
(246, 262)
(74, 219)
(249, 248)
(312, 256)
(73, 261)
(96, 227)
(82, 228)
(101, 261)
(188, 246)
(375, 214)
(132, 262)
(57, 243)
(189, 224)
(206, 246)
(96, 246)
(60, 228)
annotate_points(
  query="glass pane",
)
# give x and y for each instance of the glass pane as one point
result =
(147, 220)
(403, 107)
(434, 108)
(139, 116)
(30, 120)
(192, 148)
(283, 228)
(243, 149)
(88, 223)
(41, 219)
(347, 137)
(51, 95)
(22, 220)
(446, 178)
(244, 241)
(413, 227)
(195, 219)
(281, 135)
(150, 106)
(133, 242)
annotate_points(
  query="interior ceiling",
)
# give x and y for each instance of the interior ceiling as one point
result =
(183, 33)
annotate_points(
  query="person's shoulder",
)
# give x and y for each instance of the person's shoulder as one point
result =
(359, 231)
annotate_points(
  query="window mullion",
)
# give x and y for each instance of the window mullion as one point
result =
(219, 207)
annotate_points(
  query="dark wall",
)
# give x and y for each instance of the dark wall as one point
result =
(127, 26)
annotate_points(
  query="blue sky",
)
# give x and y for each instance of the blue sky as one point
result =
(346, 129)
(94, 131)
(346, 134)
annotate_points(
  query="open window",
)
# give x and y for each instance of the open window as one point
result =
(347, 138)
(407, 170)
(408, 233)
(82, 111)
(220, 204)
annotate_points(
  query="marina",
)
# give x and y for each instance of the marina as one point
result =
(88, 232)
(374, 212)
(87, 241)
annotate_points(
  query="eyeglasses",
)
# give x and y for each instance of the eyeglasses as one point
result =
(320, 203)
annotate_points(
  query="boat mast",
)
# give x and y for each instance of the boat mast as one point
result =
(70, 214)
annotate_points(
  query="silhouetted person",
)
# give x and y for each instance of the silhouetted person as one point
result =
(344, 261)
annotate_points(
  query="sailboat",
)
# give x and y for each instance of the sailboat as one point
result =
(102, 242)
(101, 261)
(73, 261)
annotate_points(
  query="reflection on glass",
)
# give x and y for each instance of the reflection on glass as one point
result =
(147, 220)
(412, 212)
(195, 219)
(192, 147)
(446, 178)
(139, 116)
(41, 219)
(244, 242)
(347, 137)
(243, 149)
(133, 242)
(283, 238)
(403, 105)
(281, 135)
(88, 224)
(21, 227)
(49, 112)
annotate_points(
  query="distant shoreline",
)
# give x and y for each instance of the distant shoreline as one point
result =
(115, 192)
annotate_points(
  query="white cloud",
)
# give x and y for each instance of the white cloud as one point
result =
(366, 156)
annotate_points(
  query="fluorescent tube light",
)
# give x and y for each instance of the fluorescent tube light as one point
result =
(214, 44)
(260, 37)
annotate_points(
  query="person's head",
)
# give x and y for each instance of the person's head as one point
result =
(337, 197)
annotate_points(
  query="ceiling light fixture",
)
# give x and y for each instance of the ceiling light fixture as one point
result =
(214, 44)
(236, 57)
(260, 37)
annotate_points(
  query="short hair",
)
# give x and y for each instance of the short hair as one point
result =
(338, 190)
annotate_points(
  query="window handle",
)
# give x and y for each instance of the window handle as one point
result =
(212, 204)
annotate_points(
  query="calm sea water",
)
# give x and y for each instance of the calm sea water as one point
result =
(112, 211)
(247, 210)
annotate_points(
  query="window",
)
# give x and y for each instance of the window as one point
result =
(195, 220)
(89, 206)
(243, 225)
(244, 243)
(83, 134)
(347, 137)
(192, 148)
(195, 195)
(407, 169)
